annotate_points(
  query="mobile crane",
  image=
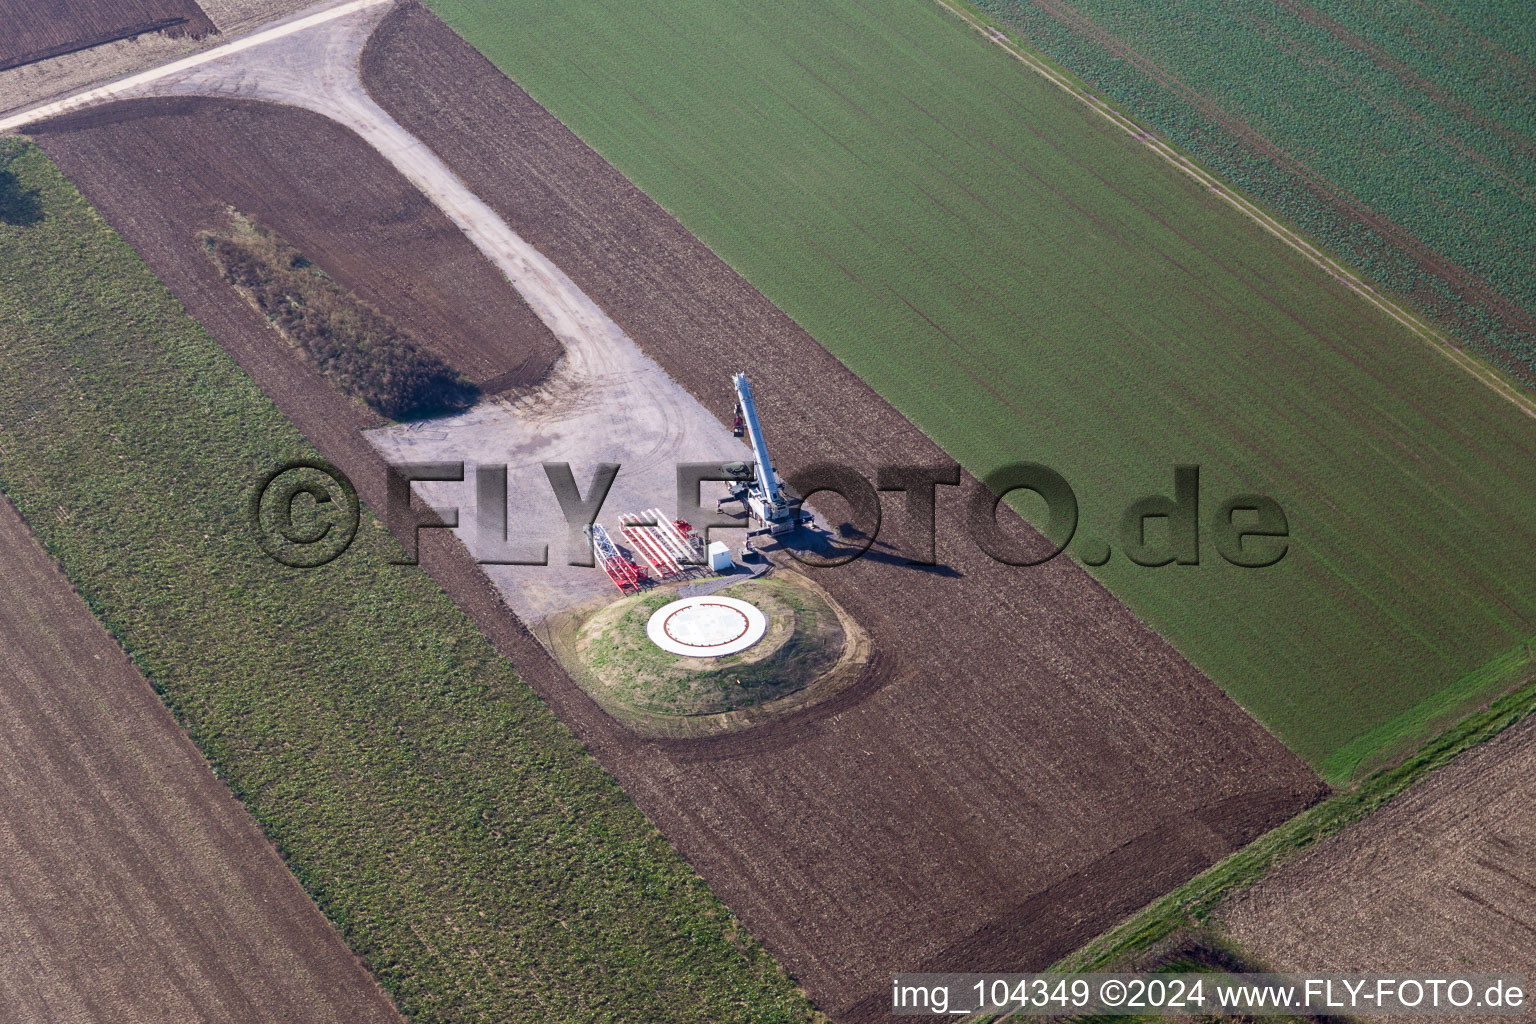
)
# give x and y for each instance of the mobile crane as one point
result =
(760, 491)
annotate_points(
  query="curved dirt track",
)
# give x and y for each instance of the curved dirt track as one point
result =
(135, 887)
(379, 237)
(608, 402)
(317, 70)
(1024, 762)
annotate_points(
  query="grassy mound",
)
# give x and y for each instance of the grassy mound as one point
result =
(806, 641)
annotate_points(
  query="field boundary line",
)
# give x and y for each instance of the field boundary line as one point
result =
(1192, 905)
(1415, 324)
(124, 86)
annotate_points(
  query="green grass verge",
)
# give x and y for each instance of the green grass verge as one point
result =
(1395, 736)
(1192, 903)
(1006, 268)
(478, 859)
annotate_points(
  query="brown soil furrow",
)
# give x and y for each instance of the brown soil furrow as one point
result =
(1438, 880)
(135, 886)
(36, 30)
(382, 239)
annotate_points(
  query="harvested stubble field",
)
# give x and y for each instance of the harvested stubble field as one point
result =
(1199, 901)
(36, 30)
(136, 887)
(1439, 880)
(1403, 135)
(1024, 762)
(468, 849)
(1006, 268)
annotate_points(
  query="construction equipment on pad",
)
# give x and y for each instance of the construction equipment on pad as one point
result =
(668, 547)
(763, 496)
(626, 575)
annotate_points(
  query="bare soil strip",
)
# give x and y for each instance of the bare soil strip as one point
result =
(135, 887)
(1022, 764)
(65, 78)
(379, 238)
(1441, 879)
(37, 30)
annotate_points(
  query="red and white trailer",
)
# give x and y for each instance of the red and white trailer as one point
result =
(626, 575)
(646, 541)
(668, 546)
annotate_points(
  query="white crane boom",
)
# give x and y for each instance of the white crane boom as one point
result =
(767, 479)
(763, 497)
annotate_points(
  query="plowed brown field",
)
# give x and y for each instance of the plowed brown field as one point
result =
(1441, 879)
(135, 887)
(360, 222)
(35, 30)
(1023, 764)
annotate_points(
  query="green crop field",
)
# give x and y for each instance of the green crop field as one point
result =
(1027, 283)
(467, 847)
(1421, 113)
